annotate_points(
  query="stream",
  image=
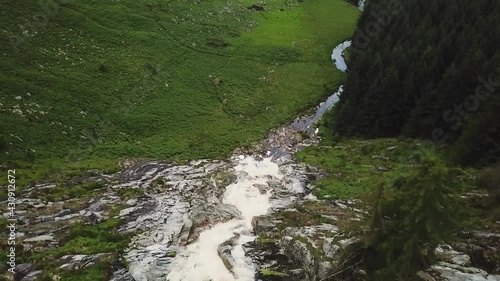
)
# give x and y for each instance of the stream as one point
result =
(203, 261)
(251, 196)
(200, 219)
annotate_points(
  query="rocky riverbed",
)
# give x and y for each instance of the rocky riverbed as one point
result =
(249, 217)
(293, 236)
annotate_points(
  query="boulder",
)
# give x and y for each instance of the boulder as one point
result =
(324, 268)
(76, 262)
(448, 254)
(122, 275)
(23, 269)
(46, 237)
(444, 271)
(262, 224)
(224, 251)
(330, 249)
(32, 276)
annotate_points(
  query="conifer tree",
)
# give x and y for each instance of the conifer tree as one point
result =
(407, 227)
(436, 45)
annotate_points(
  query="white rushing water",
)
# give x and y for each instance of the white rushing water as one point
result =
(201, 262)
(361, 4)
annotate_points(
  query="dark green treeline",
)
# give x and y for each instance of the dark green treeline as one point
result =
(426, 69)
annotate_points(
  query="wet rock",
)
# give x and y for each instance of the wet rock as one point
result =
(46, 237)
(462, 259)
(330, 249)
(424, 276)
(186, 231)
(122, 275)
(41, 219)
(127, 211)
(311, 197)
(76, 262)
(95, 217)
(452, 272)
(269, 256)
(262, 188)
(224, 251)
(275, 184)
(446, 253)
(323, 269)
(262, 224)
(66, 214)
(132, 202)
(40, 186)
(35, 203)
(298, 251)
(344, 244)
(203, 214)
(23, 269)
(32, 276)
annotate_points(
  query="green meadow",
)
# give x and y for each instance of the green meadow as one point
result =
(94, 80)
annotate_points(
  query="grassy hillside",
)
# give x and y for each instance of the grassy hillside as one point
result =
(353, 166)
(159, 79)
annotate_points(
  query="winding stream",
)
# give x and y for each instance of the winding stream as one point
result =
(251, 196)
(202, 261)
(200, 219)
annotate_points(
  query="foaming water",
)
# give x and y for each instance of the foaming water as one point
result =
(201, 261)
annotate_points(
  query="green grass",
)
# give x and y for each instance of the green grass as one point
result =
(92, 273)
(60, 193)
(267, 272)
(57, 170)
(99, 271)
(111, 79)
(80, 239)
(90, 239)
(130, 193)
(353, 166)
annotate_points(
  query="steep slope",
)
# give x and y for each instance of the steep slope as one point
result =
(426, 69)
(160, 79)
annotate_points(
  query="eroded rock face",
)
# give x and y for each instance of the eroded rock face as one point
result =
(224, 251)
(466, 261)
(448, 254)
(453, 272)
(122, 275)
(32, 276)
(263, 224)
(270, 258)
(21, 270)
(76, 262)
(185, 201)
(305, 237)
(330, 249)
